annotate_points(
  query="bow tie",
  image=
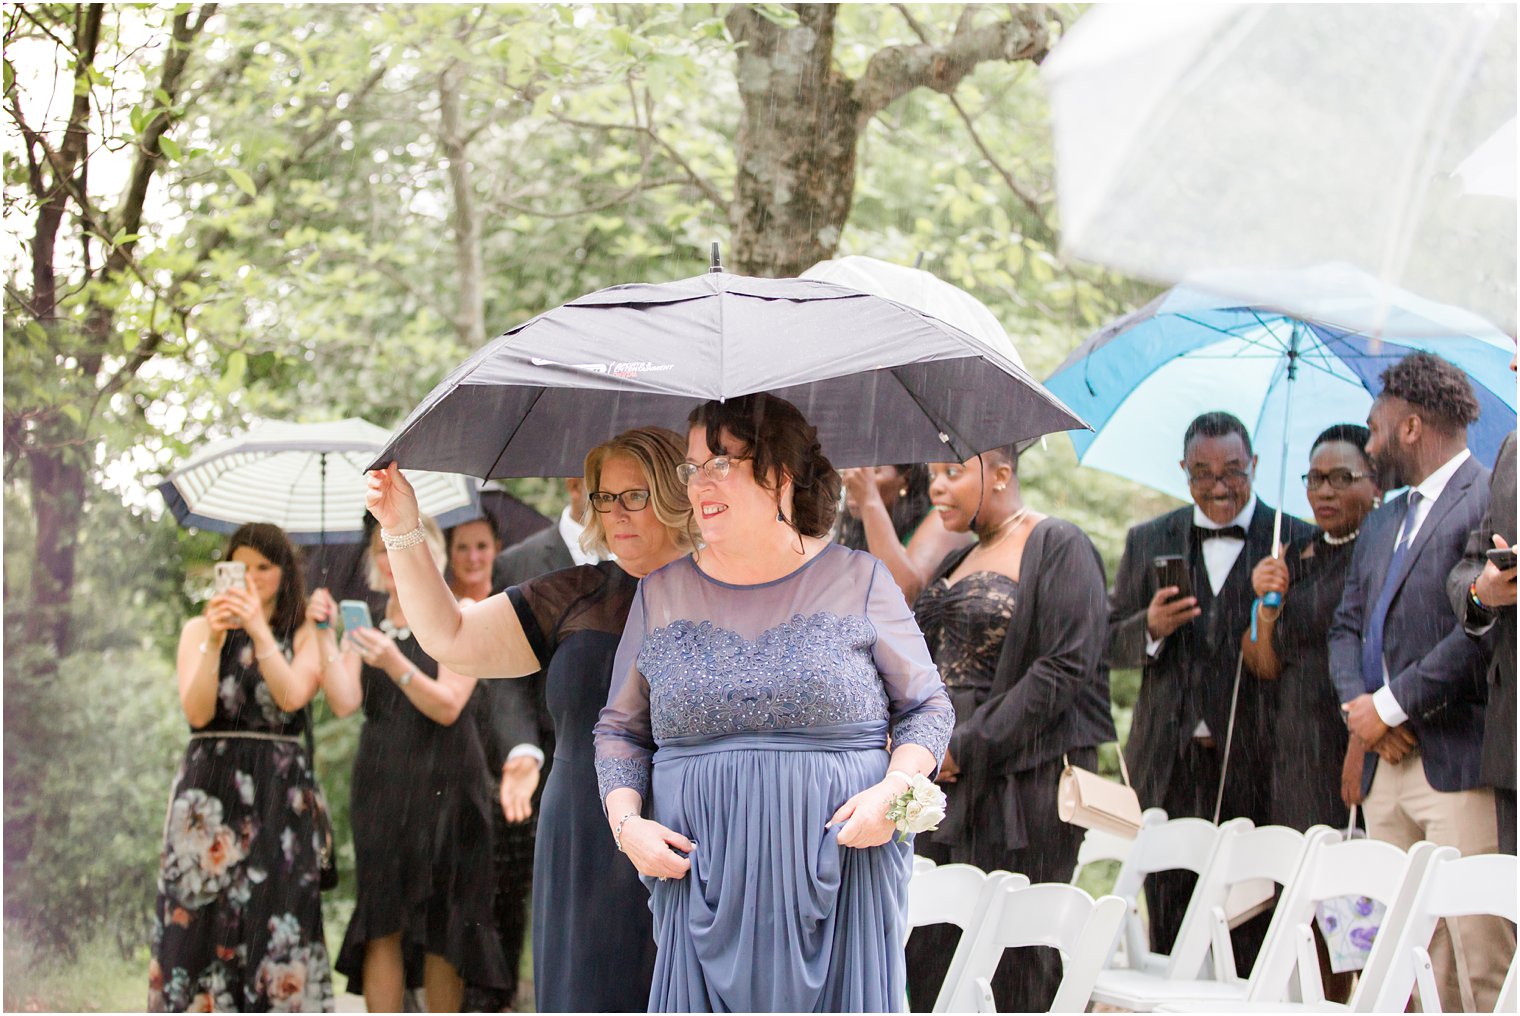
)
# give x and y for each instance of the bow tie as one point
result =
(1233, 532)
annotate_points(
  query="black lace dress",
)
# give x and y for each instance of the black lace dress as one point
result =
(1309, 739)
(238, 921)
(422, 835)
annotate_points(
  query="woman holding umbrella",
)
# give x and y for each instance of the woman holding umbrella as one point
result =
(593, 945)
(1310, 783)
(742, 754)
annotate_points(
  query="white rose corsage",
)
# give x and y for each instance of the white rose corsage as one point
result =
(918, 809)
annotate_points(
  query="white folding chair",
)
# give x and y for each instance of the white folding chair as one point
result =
(1452, 886)
(1244, 856)
(1379, 871)
(1098, 846)
(922, 863)
(958, 894)
(1061, 917)
(1163, 845)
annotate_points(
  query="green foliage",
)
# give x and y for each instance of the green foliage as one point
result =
(297, 259)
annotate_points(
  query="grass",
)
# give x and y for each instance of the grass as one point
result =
(98, 979)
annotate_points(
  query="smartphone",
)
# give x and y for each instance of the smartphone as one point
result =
(1502, 557)
(355, 614)
(230, 575)
(1172, 570)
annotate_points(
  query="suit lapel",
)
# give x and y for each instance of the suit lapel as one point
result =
(1456, 490)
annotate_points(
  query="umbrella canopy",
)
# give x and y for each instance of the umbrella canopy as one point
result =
(1272, 136)
(1143, 378)
(921, 290)
(306, 478)
(883, 382)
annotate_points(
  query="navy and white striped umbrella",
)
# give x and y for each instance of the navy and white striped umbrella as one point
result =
(306, 478)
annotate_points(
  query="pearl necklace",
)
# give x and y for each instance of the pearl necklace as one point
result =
(1340, 541)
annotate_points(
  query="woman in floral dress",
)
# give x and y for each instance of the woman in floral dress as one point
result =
(238, 921)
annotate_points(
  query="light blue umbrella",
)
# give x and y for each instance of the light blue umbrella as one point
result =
(1142, 379)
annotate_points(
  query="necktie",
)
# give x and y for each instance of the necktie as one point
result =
(1372, 642)
(1233, 532)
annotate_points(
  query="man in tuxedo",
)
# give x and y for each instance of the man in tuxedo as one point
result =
(1189, 647)
(1410, 681)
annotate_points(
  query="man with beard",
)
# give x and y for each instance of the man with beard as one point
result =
(1188, 641)
(1410, 681)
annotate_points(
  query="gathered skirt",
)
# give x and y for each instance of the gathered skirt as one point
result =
(774, 915)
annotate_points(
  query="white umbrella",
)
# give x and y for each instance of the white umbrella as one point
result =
(1279, 136)
(921, 290)
(306, 478)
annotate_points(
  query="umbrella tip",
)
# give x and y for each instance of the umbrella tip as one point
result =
(717, 260)
(918, 261)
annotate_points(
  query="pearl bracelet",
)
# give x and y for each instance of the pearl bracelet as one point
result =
(404, 540)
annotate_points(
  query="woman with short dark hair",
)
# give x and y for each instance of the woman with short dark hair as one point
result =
(238, 921)
(742, 753)
(1315, 779)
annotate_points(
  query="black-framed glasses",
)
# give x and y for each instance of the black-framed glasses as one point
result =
(715, 469)
(1339, 479)
(635, 500)
(1204, 480)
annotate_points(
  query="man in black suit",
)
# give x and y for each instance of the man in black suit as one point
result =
(1189, 648)
(1410, 680)
(1483, 595)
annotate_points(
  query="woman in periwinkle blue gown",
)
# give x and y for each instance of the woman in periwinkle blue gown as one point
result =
(754, 692)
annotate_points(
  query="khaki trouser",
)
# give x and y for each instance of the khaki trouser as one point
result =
(1402, 808)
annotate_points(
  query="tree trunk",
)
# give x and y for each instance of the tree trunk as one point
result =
(470, 317)
(796, 143)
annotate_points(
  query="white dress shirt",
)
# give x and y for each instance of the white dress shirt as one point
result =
(1219, 556)
(1430, 489)
(570, 531)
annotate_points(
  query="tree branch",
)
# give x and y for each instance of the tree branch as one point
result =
(897, 70)
(708, 190)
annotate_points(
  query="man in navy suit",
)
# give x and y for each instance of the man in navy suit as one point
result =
(1410, 681)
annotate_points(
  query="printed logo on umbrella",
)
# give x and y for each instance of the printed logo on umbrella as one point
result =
(618, 368)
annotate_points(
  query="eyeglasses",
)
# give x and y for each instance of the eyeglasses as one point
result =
(715, 469)
(1339, 479)
(1202, 480)
(633, 500)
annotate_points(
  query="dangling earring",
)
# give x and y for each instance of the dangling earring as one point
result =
(779, 516)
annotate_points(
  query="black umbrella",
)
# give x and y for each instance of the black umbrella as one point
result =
(883, 382)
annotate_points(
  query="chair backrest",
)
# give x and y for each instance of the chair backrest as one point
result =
(1245, 854)
(950, 894)
(921, 863)
(1062, 917)
(1163, 844)
(1097, 846)
(1331, 868)
(1450, 886)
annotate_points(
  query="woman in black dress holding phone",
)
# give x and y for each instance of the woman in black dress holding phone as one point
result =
(421, 809)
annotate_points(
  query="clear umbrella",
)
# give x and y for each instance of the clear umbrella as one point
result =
(1279, 136)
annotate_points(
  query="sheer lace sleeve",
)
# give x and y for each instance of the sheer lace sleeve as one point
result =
(920, 709)
(624, 743)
